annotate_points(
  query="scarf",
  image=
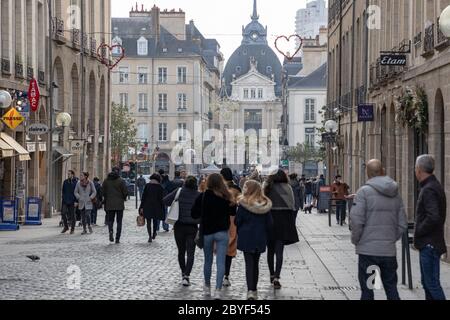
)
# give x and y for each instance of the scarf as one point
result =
(84, 182)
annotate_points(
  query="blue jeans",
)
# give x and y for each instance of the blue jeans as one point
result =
(341, 211)
(166, 227)
(388, 272)
(309, 198)
(221, 240)
(430, 262)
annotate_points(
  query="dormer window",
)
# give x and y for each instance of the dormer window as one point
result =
(164, 50)
(269, 69)
(238, 69)
(180, 50)
(142, 45)
(116, 42)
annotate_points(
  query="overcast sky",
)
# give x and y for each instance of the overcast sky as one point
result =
(223, 20)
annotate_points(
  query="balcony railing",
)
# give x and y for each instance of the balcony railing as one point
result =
(85, 43)
(428, 44)
(6, 66)
(58, 30)
(93, 46)
(19, 70)
(30, 73)
(41, 77)
(76, 37)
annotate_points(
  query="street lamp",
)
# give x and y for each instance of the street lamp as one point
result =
(5, 99)
(444, 22)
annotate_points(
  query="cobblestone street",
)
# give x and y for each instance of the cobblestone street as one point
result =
(322, 266)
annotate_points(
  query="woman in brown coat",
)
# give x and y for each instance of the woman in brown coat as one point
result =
(235, 192)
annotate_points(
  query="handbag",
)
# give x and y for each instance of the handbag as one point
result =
(199, 238)
(174, 212)
(140, 220)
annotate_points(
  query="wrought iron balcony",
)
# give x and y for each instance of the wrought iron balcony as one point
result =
(85, 43)
(41, 77)
(6, 66)
(58, 30)
(19, 70)
(428, 44)
(93, 46)
(30, 73)
(76, 38)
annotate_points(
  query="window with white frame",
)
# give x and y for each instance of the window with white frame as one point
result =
(143, 102)
(142, 45)
(123, 99)
(182, 72)
(116, 42)
(182, 101)
(260, 93)
(310, 137)
(162, 75)
(245, 93)
(162, 102)
(310, 110)
(142, 75)
(253, 93)
(182, 128)
(162, 132)
(143, 132)
(123, 75)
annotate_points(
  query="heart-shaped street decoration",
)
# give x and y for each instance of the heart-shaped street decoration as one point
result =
(103, 57)
(288, 39)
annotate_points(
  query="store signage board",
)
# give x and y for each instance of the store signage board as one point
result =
(366, 113)
(77, 147)
(13, 119)
(37, 129)
(393, 59)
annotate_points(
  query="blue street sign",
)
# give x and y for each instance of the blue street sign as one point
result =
(366, 113)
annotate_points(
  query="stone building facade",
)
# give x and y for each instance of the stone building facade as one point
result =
(357, 76)
(169, 79)
(80, 85)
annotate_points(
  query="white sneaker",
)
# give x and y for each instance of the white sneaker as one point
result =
(226, 282)
(218, 295)
(207, 291)
(251, 295)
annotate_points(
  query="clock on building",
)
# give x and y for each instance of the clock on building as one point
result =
(255, 36)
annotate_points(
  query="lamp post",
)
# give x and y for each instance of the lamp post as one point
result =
(5, 99)
(331, 128)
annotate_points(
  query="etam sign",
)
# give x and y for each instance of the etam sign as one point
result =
(393, 60)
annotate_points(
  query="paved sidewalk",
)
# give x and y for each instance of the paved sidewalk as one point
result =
(322, 266)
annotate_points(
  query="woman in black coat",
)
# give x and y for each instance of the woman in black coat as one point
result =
(152, 205)
(284, 231)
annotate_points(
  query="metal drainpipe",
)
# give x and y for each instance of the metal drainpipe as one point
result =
(50, 112)
(83, 88)
(340, 78)
(366, 86)
(352, 89)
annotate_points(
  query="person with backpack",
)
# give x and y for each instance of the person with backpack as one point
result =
(284, 231)
(186, 227)
(85, 193)
(254, 222)
(214, 207)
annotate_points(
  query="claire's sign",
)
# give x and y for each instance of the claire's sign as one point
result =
(37, 129)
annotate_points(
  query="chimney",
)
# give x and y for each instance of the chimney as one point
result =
(323, 36)
(156, 29)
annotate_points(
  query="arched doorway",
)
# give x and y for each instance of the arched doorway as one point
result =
(58, 90)
(439, 136)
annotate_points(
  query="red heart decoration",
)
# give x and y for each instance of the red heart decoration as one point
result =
(288, 40)
(106, 62)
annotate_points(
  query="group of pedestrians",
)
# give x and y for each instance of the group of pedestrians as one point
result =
(87, 197)
(378, 221)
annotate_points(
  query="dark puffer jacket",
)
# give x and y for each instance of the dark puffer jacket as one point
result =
(186, 202)
(115, 193)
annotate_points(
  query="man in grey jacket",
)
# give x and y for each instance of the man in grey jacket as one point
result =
(378, 221)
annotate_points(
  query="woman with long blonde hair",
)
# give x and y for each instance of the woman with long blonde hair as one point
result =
(254, 222)
(214, 207)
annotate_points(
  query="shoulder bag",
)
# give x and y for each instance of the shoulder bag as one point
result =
(174, 212)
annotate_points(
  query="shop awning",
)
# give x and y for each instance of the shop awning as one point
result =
(62, 154)
(24, 155)
(6, 150)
